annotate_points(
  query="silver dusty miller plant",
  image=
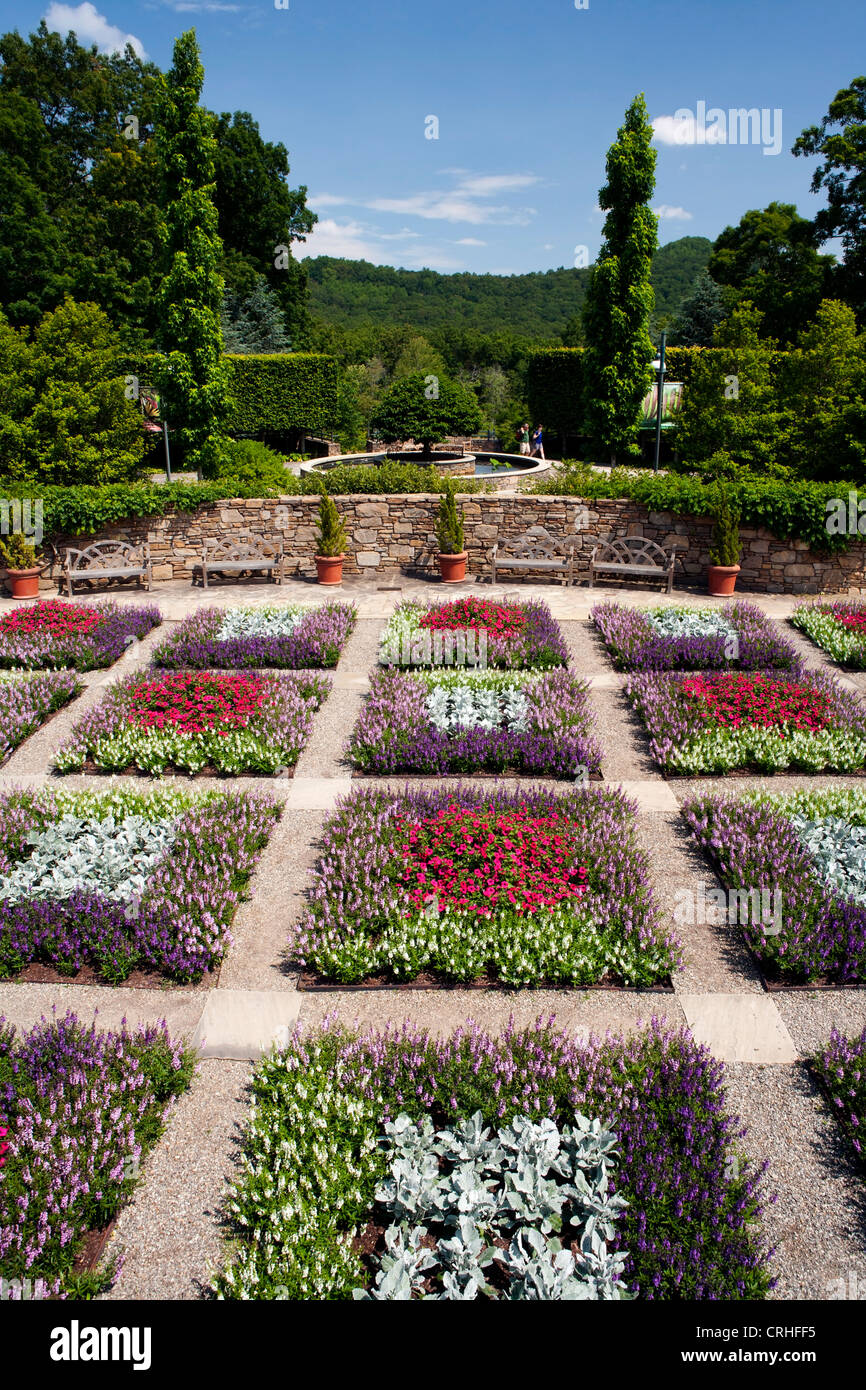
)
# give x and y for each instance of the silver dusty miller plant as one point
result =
(111, 857)
(453, 1192)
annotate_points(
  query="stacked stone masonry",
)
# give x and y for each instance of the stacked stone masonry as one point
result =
(387, 533)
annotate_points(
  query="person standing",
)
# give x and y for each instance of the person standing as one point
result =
(523, 435)
(537, 444)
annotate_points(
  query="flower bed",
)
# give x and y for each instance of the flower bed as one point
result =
(809, 849)
(117, 882)
(839, 628)
(841, 1068)
(473, 632)
(53, 634)
(291, 637)
(524, 888)
(693, 639)
(27, 700)
(197, 721)
(717, 721)
(81, 1110)
(470, 721)
(340, 1163)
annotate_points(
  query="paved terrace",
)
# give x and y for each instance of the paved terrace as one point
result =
(171, 1231)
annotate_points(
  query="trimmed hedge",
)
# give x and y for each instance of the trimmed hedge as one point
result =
(554, 381)
(790, 510)
(283, 391)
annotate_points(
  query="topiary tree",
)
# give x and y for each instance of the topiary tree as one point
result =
(426, 409)
(620, 299)
(192, 378)
(449, 523)
(332, 537)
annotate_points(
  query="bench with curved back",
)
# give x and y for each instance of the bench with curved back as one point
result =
(240, 555)
(109, 560)
(537, 549)
(633, 557)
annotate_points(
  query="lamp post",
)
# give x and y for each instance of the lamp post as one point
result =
(659, 367)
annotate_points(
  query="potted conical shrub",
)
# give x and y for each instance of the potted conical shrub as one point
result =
(725, 552)
(332, 541)
(22, 569)
(449, 534)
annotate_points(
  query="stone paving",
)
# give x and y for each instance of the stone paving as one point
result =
(171, 1232)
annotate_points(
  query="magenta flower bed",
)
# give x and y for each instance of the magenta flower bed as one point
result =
(80, 1110)
(27, 701)
(841, 1068)
(51, 633)
(713, 722)
(635, 645)
(396, 731)
(436, 880)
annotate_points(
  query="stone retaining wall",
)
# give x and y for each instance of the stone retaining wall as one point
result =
(387, 532)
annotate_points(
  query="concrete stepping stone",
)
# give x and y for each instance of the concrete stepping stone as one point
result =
(317, 793)
(739, 1027)
(240, 1024)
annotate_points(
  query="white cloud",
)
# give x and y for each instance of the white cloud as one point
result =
(672, 214)
(91, 27)
(483, 185)
(463, 203)
(327, 200)
(346, 239)
(469, 241)
(548, 246)
(683, 128)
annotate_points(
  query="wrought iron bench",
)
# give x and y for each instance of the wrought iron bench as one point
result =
(536, 550)
(240, 557)
(633, 557)
(108, 560)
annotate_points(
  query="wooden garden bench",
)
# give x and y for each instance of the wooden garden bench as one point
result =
(109, 560)
(536, 550)
(241, 556)
(633, 557)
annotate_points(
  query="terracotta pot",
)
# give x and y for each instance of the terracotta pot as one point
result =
(452, 568)
(329, 568)
(722, 579)
(24, 583)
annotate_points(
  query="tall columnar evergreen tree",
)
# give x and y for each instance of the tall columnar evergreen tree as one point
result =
(620, 297)
(193, 380)
(699, 314)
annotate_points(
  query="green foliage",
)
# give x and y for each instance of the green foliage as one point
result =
(770, 259)
(286, 391)
(620, 299)
(357, 295)
(192, 378)
(840, 141)
(725, 549)
(64, 414)
(389, 478)
(731, 403)
(449, 523)
(427, 410)
(332, 537)
(699, 315)
(252, 464)
(253, 324)
(823, 384)
(554, 388)
(17, 553)
(790, 509)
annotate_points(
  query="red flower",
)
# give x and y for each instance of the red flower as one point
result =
(504, 620)
(734, 699)
(193, 701)
(50, 616)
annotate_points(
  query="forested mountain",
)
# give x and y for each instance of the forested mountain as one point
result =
(537, 305)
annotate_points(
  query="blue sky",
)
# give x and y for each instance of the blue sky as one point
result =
(528, 95)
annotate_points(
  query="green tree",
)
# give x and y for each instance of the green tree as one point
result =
(771, 259)
(259, 212)
(730, 403)
(65, 416)
(823, 383)
(192, 378)
(620, 300)
(351, 422)
(427, 409)
(840, 141)
(253, 324)
(699, 314)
